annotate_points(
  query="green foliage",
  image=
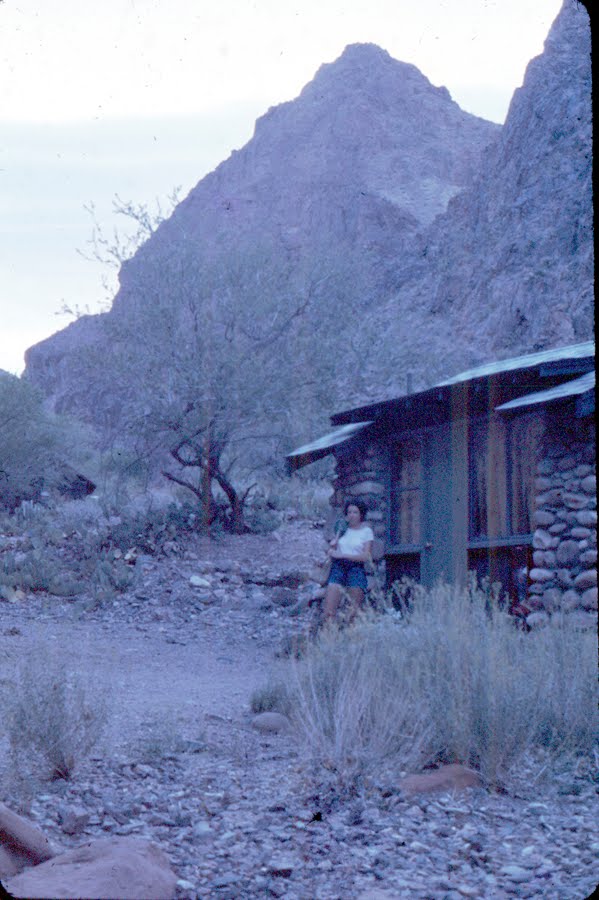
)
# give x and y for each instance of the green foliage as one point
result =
(28, 439)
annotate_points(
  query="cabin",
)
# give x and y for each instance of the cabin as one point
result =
(492, 471)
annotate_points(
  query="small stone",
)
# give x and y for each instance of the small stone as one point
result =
(589, 484)
(537, 619)
(446, 778)
(567, 552)
(586, 579)
(202, 830)
(587, 517)
(199, 582)
(550, 498)
(571, 600)
(564, 576)
(558, 528)
(580, 533)
(575, 501)
(226, 879)
(281, 867)
(546, 467)
(544, 558)
(567, 462)
(543, 517)
(515, 873)
(542, 540)
(541, 575)
(271, 723)
(552, 599)
(73, 819)
(589, 599)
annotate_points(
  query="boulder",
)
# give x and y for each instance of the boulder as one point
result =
(21, 843)
(454, 777)
(271, 723)
(123, 867)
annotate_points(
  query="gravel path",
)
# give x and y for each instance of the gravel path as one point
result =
(240, 813)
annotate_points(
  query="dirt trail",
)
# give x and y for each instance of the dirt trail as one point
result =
(160, 658)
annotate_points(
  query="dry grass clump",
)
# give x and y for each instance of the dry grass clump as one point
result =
(452, 681)
(53, 717)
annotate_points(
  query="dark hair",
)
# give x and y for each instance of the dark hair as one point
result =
(359, 504)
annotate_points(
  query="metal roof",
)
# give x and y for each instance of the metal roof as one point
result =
(330, 440)
(574, 351)
(568, 389)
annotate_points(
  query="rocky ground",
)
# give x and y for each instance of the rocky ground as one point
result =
(239, 812)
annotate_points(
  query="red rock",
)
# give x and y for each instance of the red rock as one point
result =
(21, 843)
(123, 867)
(454, 777)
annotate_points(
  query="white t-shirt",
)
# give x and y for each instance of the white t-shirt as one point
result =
(354, 540)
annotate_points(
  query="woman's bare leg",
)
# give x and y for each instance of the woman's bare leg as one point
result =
(356, 596)
(331, 602)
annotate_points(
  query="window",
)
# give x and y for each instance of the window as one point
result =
(502, 457)
(406, 493)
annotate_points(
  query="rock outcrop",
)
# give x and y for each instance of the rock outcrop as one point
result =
(452, 240)
(508, 268)
(122, 867)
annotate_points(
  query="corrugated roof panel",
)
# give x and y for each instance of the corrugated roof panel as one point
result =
(574, 351)
(561, 391)
(330, 440)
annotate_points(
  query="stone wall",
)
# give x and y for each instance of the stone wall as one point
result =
(361, 474)
(564, 575)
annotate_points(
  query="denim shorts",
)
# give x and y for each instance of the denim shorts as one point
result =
(348, 574)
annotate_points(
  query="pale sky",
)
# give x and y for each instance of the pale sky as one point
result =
(135, 97)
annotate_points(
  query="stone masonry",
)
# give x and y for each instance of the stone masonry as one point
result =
(563, 579)
(362, 474)
(564, 574)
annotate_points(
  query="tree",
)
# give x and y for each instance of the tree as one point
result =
(28, 441)
(213, 358)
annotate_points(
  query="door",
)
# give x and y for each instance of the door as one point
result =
(428, 506)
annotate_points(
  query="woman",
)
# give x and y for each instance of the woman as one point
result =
(349, 552)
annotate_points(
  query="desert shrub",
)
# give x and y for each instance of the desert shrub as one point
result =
(273, 696)
(451, 680)
(28, 438)
(350, 703)
(31, 571)
(52, 716)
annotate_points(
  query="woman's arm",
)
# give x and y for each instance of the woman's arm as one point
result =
(364, 556)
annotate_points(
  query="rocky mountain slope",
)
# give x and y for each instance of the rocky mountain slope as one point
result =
(508, 268)
(425, 239)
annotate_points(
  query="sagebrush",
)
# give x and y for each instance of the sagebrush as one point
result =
(451, 680)
(53, 717)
